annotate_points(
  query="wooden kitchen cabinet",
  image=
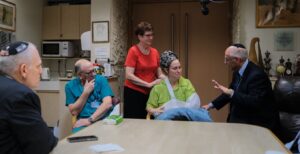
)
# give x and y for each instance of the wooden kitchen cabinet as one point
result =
(84, 18)
(69, 22)
(65, 22)
(49, 106)
(51, 22)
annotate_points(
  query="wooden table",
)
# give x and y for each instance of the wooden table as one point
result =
(176, 137)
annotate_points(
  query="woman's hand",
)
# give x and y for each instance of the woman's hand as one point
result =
(155, 82)
(158, 110)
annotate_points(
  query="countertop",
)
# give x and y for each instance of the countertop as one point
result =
(68, 79)
(53, 85)
(49, 86)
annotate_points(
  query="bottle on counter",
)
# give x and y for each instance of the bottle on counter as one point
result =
(107, 68)
(98, 68)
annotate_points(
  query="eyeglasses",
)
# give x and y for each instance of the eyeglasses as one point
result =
(14, 48)
(228, 59)
(149, 35)
(89, 74)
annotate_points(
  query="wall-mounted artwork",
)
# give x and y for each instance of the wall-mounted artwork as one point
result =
(7, 16)
(284, 41)
(100, 31)
(277, 13)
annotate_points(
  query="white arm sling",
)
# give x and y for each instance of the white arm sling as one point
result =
(192, 102)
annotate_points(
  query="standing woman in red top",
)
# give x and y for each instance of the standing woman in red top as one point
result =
(142, 72)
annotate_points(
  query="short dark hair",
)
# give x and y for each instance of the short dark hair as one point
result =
(142, 27)
(238, 45)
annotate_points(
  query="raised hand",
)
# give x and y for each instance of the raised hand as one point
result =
(89, 86)
(222, 88)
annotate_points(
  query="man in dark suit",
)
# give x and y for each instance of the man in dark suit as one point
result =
(22, 128)
(250, 92)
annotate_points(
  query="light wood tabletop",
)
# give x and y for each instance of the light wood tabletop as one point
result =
(176, 137)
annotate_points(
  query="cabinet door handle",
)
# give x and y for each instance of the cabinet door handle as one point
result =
(172, 32)
(186, 38)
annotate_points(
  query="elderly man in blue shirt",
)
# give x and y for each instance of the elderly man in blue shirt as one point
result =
(88, 96)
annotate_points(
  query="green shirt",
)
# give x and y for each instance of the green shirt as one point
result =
(159, 94)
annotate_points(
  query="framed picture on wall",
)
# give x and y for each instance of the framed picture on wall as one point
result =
(100, 31)
(7, 16)
(284, 41)
(270, 13)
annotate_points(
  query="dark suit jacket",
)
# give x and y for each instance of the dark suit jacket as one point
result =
(22, 129)
(253, 100)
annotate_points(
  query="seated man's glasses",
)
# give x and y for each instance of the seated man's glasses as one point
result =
(89, 74)
(14, 48)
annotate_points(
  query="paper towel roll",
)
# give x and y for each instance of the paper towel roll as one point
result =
(86, 40)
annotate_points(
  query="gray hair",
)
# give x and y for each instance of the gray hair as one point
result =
(78, 65)
(10, 64)
(239, 52)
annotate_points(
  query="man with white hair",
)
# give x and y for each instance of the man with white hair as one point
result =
(22, 129)
(250, 92)
(88, 96)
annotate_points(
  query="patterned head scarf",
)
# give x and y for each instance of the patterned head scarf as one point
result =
(166, 58)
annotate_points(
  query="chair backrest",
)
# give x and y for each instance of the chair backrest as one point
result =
(287, 97)
(287, 94)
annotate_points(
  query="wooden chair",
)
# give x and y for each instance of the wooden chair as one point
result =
(148, 116)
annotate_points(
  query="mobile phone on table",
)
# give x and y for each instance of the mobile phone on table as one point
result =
(82, 138)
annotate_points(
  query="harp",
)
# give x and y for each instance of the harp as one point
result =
(252, 53)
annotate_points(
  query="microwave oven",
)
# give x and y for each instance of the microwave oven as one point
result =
(57, 49)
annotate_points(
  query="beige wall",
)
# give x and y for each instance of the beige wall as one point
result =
(116, 12)
(29, 20)
(100, 11)
(248, 30)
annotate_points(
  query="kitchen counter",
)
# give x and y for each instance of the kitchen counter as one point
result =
(114, 77)
(51, 86)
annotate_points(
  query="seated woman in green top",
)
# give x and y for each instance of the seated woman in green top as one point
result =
(175, 98)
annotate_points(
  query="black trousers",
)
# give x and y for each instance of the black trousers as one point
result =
(134, 104)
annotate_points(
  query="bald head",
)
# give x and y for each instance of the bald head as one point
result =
(82, 65)
(237, 51)
(235, 56)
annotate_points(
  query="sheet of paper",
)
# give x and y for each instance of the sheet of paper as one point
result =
(106, 147)
(274, 152)
(102, 53)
